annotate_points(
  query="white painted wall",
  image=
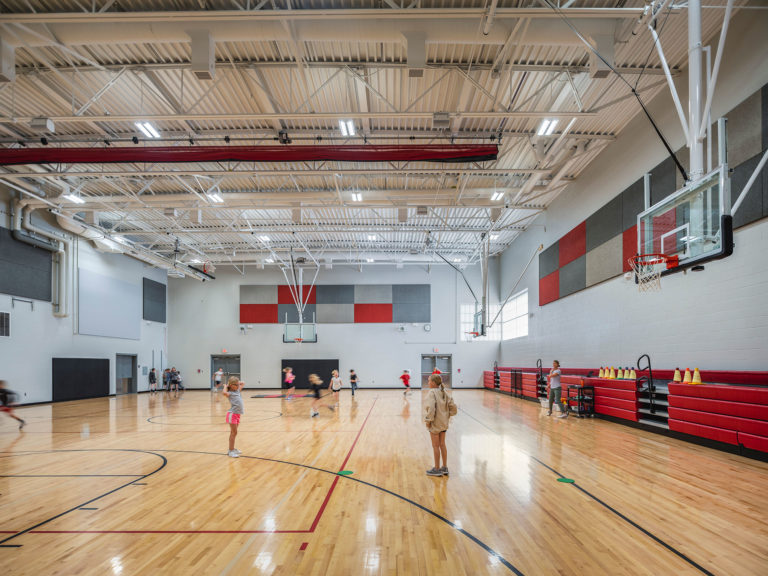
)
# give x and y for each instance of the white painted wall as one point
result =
(716, 319)
(204, 320)
(37, 336)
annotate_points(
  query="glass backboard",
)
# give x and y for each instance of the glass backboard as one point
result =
(307, 332)
(694, 223)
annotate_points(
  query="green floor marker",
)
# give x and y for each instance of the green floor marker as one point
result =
(345, 473)
(566, 480)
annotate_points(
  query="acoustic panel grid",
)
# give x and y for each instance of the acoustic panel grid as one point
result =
(598, 248)
(337, 303)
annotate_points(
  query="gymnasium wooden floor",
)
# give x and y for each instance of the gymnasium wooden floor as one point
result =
(142, 485)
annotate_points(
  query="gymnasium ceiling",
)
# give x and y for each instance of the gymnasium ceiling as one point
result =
(491, 72)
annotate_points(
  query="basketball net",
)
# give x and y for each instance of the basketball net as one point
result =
(648, 269)
(298, 340)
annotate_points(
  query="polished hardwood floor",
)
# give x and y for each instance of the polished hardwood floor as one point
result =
(142, 485)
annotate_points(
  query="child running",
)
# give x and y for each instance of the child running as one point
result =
(234, 386)
(406, 378)
(288, 385)
(335, 386)
(316, 384)
(7, 399)
(353, 381)
(438, 409)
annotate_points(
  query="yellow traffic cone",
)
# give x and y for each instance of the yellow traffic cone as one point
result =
(601, 375)
(632, 374)
(687, 376)
(612, 374)
(620, 374)
(678, 377)
(696, 376)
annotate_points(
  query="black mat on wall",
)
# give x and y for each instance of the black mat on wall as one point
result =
(25, 270)
(78, 378)
(303, 368)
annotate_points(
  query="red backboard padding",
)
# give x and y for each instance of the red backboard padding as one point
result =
(258, 313)
(629, 246)
(573, 245)
(740, 409)
(758, 427)
(727, 436)
(373, 313)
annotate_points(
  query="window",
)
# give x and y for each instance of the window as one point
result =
(467, 318)
(5, 324)
(515, 316)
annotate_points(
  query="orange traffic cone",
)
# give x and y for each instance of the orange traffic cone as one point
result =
(632, 374)
(602, 373)
(696, 376)
(612, 374)
(620, 374)
(687, 376)
(677, 377)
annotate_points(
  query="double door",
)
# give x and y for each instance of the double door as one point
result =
(442, 362)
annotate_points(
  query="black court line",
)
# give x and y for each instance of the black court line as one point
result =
(608, 507)
(70, 475)
(87, 508)
(44, 522)
(443, 519)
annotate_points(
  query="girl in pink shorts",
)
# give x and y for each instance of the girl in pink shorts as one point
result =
(234, 386)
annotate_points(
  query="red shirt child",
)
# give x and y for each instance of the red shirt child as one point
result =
(406, 378)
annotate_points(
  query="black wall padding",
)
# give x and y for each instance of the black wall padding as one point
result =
(78, 378)
(154, 301)
(303, 368)
(25, 270)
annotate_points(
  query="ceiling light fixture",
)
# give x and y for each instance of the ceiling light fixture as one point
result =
(546, 127)
(269, 260)
(347, 127)
(147, 129)
(264, 238)
(494, 236)
(357, 197)
(73, 198)
(371, 237)
(497, 196)
(215, 197)
(369, 259)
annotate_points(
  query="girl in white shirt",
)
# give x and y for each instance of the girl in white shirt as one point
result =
(335, 386)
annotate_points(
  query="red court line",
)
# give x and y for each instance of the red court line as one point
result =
(336, 479)
(166, 532)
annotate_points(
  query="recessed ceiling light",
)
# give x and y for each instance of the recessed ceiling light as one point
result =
(147, 129)
(264, 238)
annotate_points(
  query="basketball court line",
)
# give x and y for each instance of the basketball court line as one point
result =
(604, 504)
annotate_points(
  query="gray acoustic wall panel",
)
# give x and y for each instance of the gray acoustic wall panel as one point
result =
(663, 180)
(605, 261)
(410, 312)
(335, 313)
(751, 208)
(335, 294)
(604, 224)
(373, 294)
(573, 276)
(632, 204)
(258, 294)
(25, 270)
(153, 300)
(108, 306)
(744, 130)
(549, 260)
(764, 116)
(411, 294)
(293, 314)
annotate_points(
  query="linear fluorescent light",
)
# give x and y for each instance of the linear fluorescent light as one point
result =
(343, 127)
(497, 196)
(269, 260)
(74, 198)
(120, 240)
(494, 236)
(215, 197)
(351, 127)
(457, 259)
(546, 127)
(371, 237)
(195, 261)
(264, 238)
(357, 197)
(147, 129)
(369, 259)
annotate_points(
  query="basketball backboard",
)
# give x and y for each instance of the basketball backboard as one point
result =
(694, 223)
(295, 332)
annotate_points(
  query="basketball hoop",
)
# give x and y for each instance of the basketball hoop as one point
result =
(648, 269)
(298, 340)
(473, 334)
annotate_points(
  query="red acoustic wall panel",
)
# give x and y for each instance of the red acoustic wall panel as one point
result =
(284, 295)
(549, 288)
(573, 245)
(258, 313)
(629, 246)
(373, 313)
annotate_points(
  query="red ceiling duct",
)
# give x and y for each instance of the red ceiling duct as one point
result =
(166, 154)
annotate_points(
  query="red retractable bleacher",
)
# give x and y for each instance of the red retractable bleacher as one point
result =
(617, 398)
(489, 379)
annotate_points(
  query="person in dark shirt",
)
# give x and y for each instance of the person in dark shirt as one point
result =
(7, 399)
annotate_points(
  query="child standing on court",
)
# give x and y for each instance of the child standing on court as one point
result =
(438, 409)
(406, 378)
(288, 384)
(335, 386)
(234, 386)
(353, 381)
(555, 388)
(7, 398)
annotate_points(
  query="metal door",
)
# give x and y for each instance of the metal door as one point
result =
(442, 362)
(230, 363)
(125, 374)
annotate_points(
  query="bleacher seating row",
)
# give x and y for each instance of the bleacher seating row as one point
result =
(734, 412)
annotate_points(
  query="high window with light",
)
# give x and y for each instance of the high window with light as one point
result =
(515, 316)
